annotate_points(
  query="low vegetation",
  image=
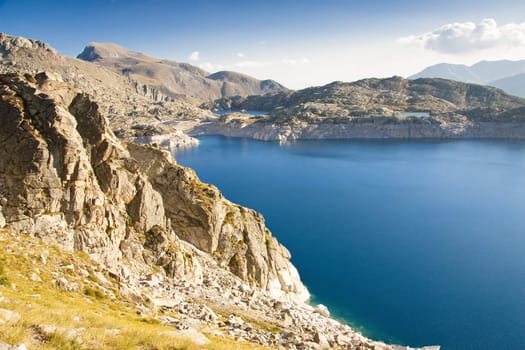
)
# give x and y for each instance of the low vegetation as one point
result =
(87, 315)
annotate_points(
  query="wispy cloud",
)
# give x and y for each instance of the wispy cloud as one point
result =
(240, 54)
(210, 67)
(457, 38)
(194, 56)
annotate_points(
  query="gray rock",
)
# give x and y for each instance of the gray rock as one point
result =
(320, 339)
(62, 284)
(322, 310)
(8, 316)
(2, 218)
(18, 347)
(235, 322)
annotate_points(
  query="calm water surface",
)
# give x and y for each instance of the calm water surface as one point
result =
(412, 242)
(253, 112)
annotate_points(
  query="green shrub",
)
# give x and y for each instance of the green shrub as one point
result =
(4, 281)
(94, 293)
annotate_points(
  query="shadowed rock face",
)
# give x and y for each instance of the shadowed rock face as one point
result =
(66, 178)
(172, 79)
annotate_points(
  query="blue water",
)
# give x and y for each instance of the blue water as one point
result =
(415, 114)
(413, 243)
(253, 112)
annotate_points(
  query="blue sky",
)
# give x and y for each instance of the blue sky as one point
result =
(299, 43)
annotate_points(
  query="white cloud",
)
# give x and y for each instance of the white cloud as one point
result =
(240, 54)
(457, 38)
(194, 56)
(293, 61)
(210, 67)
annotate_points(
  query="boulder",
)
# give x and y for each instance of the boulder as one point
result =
(8, 316)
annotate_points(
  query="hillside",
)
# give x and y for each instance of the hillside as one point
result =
(396, 94)
(458, 72)
(514, 85)
(134, 109)
(375, 108)
(172, 79)
(237, 84)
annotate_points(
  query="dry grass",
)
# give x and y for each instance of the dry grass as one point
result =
(88, 318)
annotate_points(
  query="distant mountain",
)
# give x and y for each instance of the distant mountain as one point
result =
(495, 70)
(237, 84)
(386, 96)
(458, 72)
(514, 85)
(174, 79)
(505, 74)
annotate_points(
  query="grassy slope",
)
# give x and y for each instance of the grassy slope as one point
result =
(93, 316)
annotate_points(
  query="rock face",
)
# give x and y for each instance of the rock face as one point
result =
(376, 109)
(66, 178)
(163, 79)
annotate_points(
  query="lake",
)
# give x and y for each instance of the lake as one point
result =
(252, 112)
(415, 114)
(414, 243)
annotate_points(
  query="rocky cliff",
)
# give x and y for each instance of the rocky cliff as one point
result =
(65, 176)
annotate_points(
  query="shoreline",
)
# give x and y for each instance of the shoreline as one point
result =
(366, 131)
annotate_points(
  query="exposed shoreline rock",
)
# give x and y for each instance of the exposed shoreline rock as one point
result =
(355, 131)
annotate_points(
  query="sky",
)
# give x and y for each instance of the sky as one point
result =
(298, 43)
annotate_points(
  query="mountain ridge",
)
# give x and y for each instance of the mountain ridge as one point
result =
(494, 73)
(175, 79)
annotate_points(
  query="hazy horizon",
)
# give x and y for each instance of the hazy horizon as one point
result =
(297, 43)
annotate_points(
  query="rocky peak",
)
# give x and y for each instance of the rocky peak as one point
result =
(99, 51)
(10, 44)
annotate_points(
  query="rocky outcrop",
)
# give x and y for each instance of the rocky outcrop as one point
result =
(66, 178)
(162, 135)
(235, 236)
